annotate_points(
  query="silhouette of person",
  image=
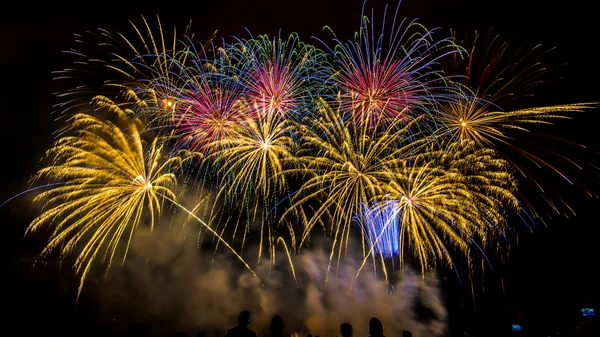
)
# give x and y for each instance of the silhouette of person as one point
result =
(275, 329)
(375, 328)
(200, 334)
(309, 335)
(241, 330)
(406, 333)
(346, 330)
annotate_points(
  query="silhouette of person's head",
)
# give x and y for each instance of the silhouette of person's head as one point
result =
(375, 327)
(309, 335)
(346, 330)
(406, 333)
(201, 334)
(277, 324)
(244, 318)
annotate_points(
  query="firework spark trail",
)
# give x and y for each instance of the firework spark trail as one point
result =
(221, 240)
(289, 256)
(470, 119)
(495, 70)
(380, 225)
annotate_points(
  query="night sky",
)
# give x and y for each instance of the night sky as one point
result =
(547, 274)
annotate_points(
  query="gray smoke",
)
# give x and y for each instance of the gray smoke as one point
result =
(171, 283)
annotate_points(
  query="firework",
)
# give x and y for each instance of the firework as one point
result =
(345, 165)
(106, 183)
(495, 70)
(478, 113)
(280, 76)
(252, 161)
(201, 99)
(447, 198)
(401, 139)
(381, 227)
(469, 119)
(207, 114)
(110, 63)
(493, 76)
(392, 74)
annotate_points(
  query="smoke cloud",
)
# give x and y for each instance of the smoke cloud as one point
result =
(168, 282)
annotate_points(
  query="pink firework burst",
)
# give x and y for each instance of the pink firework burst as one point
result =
(270, 87)
(279, 76)
(379, 90)
(206, 114)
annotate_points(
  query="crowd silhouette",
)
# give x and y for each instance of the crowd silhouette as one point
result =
(277, 327)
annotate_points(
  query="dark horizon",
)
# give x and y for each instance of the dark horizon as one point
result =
(549, 271)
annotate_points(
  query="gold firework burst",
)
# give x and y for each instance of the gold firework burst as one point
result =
(105, 184)
(450, 195)
(252, 161)
(346, 164)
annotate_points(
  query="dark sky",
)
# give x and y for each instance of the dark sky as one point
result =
(549, 272)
